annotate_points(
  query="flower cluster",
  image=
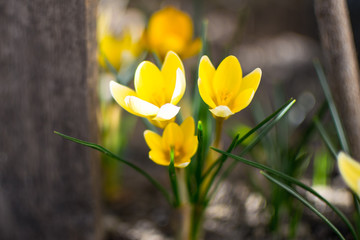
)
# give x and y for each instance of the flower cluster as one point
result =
(158, 91)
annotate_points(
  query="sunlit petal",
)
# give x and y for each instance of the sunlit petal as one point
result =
(153, 140)
(150, 84)
(141, 107)
(242, 100)
(119, 93)
(227, 79)
(221, 111)
(205, 81)
(180, 86)
(252, 80)
(167, 112)
(350, 171)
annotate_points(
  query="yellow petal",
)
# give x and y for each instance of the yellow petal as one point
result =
(160, 123)
(350, 171)
(190, 146)
(169, 29)
(119, 93)
(192, 49)
(180, 86)
(227, 80)
(169, 69)
(172, 136)
(141, 107)
(205, 81)
(149, 84)
(221, 111)
(153, 140)
(159, 157)
(188, 128)
(242, 100)
(252, 80)
(167, 112)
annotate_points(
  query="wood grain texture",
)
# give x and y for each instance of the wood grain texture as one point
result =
(341, 65)
(48, 186)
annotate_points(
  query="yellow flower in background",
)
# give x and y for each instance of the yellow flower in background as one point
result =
(156, 91)
(120, 35)
(172, 29)
(225, 90)
(350, 171)
(179, 138)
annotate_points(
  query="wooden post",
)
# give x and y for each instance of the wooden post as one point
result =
(48, 186)
(341, 65)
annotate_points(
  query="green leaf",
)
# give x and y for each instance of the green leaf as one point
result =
(173, 180)
(333, 110)
(112, 155)
(325, 137)
(291, 180)
(304, 201)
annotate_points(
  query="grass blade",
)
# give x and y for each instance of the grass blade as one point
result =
(112, 155)
(293, 181)
(304, 201)
(332, 107)
(325, 137)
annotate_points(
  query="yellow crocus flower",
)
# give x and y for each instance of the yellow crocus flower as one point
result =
(120, 35)
(172, 29)
(179, 138)
(350, 171)
(156, 91)
(224, 90)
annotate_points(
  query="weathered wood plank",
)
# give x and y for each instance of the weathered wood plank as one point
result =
(341, 65)
(48, 186)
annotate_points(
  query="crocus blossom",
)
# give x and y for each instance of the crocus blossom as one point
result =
(179, 138)
(156, 91)
(224, 89)
(350, 171)
(172, 29)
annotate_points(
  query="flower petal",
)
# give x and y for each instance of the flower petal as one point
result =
(205, 81)
(204, 90)
(188, 128)
(141, 107)
(169, 69)
(159, 157)
(180, 86)
(119, 93)
(190, 146)
(183, 163)
(153, 140)
(252, 80)
(227, 80)
(167, 112)
(221, 111)
(242, 100)
(192, 49)
(350, 171)
(150, 84)
(172, 136)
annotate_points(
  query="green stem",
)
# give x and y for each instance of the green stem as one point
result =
(173, 179)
